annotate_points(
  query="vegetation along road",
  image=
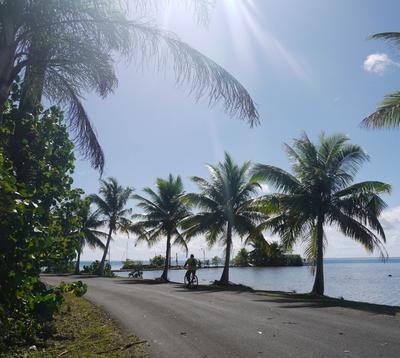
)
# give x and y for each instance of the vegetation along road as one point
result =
(178, 322)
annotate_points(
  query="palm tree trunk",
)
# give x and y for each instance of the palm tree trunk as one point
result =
(7, 57)
(31, 94)
(32, 87)
(318, 288)
(164, 275)
(225, 273)
(100, 270)
(78, 262)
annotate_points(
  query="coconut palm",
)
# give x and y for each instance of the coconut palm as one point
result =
(89, 235)
(163, 213)
(225, 207)
(388, 112)
(321, 193)
(66, 48)
(111, 202)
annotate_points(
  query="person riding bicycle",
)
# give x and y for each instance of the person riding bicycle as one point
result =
(191, 264)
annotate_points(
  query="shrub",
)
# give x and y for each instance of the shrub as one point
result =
(157, 261)
(77, 288)
(93, 268)
(37, 220)
(132, 265)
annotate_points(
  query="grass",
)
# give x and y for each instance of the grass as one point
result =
(83, 330)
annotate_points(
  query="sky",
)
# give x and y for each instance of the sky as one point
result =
(308, 65)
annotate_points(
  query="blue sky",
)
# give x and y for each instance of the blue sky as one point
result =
(307, 64)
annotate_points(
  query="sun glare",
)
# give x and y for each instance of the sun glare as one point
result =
(250, 35)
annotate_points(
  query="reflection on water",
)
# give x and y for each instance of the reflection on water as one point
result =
(359, 281)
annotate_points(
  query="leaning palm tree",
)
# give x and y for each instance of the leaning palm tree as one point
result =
(89, 235)
(225, 207)
(163, 213)
(387, 114)
(66, 48)
(111, 203)
(320, 192)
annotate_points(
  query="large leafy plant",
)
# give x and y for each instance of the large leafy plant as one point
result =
(37, 223)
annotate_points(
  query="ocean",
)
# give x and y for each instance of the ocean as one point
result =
(358, 279)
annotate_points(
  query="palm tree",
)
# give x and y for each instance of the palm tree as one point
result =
(89, 235)
(387, 114)
(163, 213)
(111, 205)
(66, 48)
(225, 207)
(321, 192)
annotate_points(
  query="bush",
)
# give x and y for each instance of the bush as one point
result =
(60, 266)
(157, 261)
(93, 268)
(37, 220)
(293, 260)
(242, 258)
(132, 265)
(77, 288)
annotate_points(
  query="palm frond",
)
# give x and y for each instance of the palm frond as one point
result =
(281, 179)
(387, 114)
(391, 37)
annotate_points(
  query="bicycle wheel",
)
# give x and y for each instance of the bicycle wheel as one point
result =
(195, 282)
(186, 281)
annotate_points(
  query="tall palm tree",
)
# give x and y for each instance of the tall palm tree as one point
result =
(387, 114)
(320, 192)
(66, 48)
(225, 207)
(111, 203)
(89, 235)
(163, 213)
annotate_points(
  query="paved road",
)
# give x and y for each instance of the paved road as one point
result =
(201, 323)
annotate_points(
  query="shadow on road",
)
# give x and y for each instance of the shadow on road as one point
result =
(323, 302)
(140, 282)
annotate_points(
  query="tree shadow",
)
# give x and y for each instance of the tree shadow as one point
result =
(129, 281)
(292, 301)
(214, 288)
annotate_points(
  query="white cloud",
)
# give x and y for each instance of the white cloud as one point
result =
(377, 63)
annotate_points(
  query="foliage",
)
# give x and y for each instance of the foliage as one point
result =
(77, 288)
(86, 332)
(216, 260)
(225, 204)
(111, 203)
(88, 234)
(157, 261)
(242, 258)
(321, 192)
(132, 264)
(74, 53)
(93, 269)
(163, 214)
(37, 218)
(60, 267)
(387, 115)
(272, 255)
(207, 262)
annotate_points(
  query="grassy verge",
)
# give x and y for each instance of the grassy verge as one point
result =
(82, 330)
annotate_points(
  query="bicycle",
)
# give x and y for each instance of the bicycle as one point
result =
(192, 281)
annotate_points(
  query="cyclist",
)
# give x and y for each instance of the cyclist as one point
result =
(191, 264)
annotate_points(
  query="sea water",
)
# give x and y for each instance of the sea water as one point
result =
(367, 280)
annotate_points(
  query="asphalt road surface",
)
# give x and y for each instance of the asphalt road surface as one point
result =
(177, 322)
